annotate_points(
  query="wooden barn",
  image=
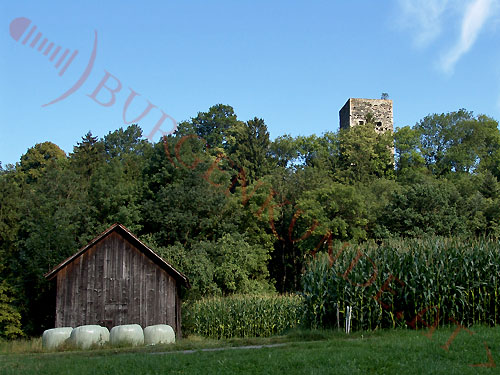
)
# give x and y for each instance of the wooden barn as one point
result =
(115, 280)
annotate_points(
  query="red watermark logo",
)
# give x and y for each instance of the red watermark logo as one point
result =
(23, 30)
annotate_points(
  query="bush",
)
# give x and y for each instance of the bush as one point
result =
(434, 281)
(242, 316)
(229, 265)
(10, 319)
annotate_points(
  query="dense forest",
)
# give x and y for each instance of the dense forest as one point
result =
(235, 211)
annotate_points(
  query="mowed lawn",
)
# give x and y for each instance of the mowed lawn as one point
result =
(385, 352)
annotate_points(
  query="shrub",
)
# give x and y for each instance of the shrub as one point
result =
(229, 265)
(10, 319)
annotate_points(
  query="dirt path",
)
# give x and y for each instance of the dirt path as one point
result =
(220, 349)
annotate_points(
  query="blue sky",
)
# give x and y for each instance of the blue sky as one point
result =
(292, 63)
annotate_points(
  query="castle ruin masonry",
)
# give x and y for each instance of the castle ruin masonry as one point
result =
(355, 111)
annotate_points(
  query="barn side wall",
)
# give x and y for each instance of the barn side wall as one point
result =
(114, 283)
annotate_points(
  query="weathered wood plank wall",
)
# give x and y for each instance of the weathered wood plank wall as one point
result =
(114, 283)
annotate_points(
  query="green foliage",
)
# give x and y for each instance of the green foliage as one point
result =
(196, 264)
(434, 280)
(481, 209)
(424, 208)
(212, 126)
(339, 209)
(248, 147)
(10, 319)
(87, 156)
(116, 187)
(458, 141)
(181, 202)
(10, 215)
(242, 316)
(320, 152)
(122, 144)
(49, 231)
(406, 145)
(38, 158)
(365, 154)
(284, 151)
(239, 267)
(226, 266)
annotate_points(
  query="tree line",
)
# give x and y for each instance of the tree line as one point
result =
(235, 211)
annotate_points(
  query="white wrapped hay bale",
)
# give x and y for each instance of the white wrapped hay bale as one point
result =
(128, 334)
(159, 334)
(105, 334)
(55, 337)
(84, 337)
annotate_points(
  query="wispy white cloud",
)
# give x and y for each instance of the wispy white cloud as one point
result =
(427, 19)
(423, 18)
(475, 15)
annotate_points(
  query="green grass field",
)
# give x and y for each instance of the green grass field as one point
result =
(301, 352)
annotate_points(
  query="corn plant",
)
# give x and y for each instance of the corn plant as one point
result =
(242, 315)
(434, 281)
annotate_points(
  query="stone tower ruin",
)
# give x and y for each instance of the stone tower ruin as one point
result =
(355, 111)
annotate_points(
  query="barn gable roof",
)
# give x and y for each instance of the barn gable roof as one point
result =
(132, 239)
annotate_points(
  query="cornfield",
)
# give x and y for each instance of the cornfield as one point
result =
(242, 316)
(409, 283)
